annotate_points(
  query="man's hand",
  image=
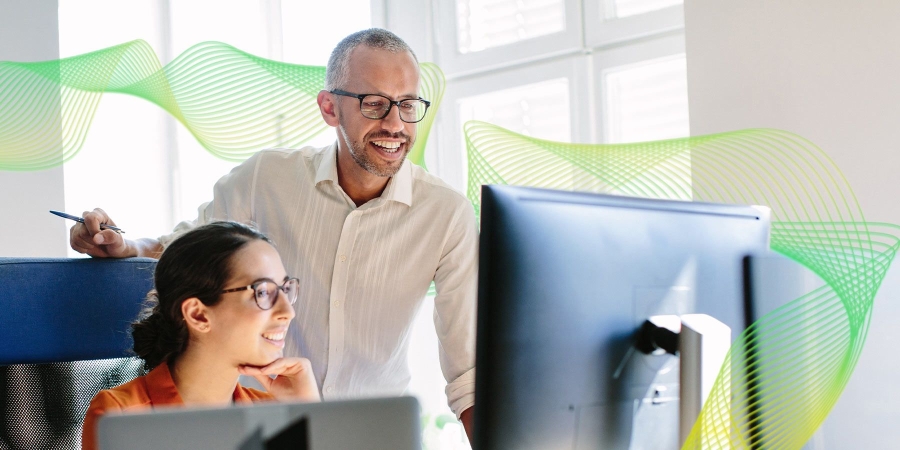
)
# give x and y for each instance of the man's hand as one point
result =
(88, 238)
(294, 379)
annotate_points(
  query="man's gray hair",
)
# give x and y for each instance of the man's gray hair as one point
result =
(338, 69)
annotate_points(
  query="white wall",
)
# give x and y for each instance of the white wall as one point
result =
(29, 32)
(828, 70)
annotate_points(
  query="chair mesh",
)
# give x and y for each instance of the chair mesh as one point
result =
(42, 406)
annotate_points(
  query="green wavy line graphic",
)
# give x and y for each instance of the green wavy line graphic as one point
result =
(785, 372)
(234, 103)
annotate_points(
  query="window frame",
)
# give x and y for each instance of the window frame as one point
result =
(616, 30)
(454, 63)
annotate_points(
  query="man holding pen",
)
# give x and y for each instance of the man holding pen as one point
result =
(364, 230)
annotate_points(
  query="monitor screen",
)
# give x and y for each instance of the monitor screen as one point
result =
(565, 281)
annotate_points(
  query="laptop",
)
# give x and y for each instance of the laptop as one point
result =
(380, 423)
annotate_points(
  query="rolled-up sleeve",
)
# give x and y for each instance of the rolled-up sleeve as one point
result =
(455, 306)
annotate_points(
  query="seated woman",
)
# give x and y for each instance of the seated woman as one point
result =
(221, 308)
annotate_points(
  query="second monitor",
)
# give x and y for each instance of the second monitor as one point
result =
(565, 280)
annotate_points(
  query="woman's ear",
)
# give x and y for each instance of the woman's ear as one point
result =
(196, 315)
(328, 108)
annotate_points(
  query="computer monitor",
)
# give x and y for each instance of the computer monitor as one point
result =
(377, 424)
(565, 281)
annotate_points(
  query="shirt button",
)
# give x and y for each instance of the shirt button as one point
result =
(329, 389)
(337, 303)
(343, 258)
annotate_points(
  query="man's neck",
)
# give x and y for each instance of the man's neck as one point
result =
(360, 185)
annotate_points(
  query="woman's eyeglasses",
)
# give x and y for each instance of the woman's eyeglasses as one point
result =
(265, 291)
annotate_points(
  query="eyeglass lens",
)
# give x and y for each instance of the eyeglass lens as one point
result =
(266, 292)
(377, 107)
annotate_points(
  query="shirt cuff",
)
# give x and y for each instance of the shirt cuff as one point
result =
(180, 229)
(461, 392)
(184, 227)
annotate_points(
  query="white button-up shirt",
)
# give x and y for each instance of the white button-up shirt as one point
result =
(364, 271)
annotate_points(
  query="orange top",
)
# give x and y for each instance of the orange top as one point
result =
(154, 389)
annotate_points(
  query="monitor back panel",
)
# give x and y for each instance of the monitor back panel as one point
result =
(565, 280)
(390, 424)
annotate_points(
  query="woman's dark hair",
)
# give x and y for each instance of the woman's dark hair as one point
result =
(197, 264)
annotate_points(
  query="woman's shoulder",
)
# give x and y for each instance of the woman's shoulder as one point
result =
(125, 396)
(130, 395)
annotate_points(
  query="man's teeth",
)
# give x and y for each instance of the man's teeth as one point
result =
(390, 147)
(274, 336)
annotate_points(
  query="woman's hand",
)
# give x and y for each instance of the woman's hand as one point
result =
(294, 379)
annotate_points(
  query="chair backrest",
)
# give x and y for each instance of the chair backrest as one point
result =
(64, 329)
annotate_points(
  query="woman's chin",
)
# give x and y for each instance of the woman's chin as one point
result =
(262, 357)
(269, 358)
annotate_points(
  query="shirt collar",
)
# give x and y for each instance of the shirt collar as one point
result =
(161, 388)
(327, 169)
(398, 189)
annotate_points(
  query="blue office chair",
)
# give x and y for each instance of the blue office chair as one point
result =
(64, 335)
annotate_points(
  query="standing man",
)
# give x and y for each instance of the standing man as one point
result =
(364, 230)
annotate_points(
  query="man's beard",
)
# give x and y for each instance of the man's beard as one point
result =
(361, 156)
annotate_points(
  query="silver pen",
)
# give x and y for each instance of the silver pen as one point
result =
(103, 226)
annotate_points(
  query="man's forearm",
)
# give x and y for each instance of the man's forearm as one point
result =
(146, 247)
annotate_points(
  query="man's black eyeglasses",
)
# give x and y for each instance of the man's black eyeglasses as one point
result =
(377, 107)
(265, 291)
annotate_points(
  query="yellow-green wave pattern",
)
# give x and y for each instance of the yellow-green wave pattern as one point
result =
(785, 372)
(233, 102)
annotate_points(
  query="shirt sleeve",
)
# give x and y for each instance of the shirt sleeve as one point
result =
(102, 403)
(456, 281)
(233, 197)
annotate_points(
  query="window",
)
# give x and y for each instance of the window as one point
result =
(646, 101)
(537, 110)
(168, 173)
(627, 78)
(120, 166)
(241, 25)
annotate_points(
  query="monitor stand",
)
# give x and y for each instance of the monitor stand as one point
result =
(701, 343)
